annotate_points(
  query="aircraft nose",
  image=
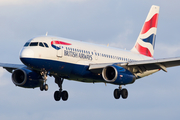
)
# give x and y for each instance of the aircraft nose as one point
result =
(26, 53)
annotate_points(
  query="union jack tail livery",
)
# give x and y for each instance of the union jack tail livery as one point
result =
(146, 40)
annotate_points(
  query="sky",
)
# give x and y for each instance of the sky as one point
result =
(113, 22)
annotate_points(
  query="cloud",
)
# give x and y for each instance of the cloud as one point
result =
(32, 2)
(165, 50)
(3, 80)
(122, 40)
(2, 71)
(18, 2)
(76, 0)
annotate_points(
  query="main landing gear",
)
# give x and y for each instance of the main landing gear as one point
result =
(60, 94)
(120, 92)
(44, 86)
(57, 94)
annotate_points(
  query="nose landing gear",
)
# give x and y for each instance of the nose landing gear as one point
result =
(44, 86)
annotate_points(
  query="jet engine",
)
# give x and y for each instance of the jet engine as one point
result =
(26, 78)
(118, 75)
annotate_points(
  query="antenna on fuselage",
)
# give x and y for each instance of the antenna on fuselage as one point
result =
(46, 33)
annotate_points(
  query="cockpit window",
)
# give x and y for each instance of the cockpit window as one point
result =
(46, 45)
(26, 44)
(34, 44)
(41, 44)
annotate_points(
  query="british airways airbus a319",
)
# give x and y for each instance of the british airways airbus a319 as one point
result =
(85, 62)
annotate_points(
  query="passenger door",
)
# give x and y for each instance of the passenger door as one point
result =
(60, 51)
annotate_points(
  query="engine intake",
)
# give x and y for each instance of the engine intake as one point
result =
(19, 77)
(109, 73)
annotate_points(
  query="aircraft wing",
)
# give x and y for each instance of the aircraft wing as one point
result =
(157, 64)
(11, 67)
(141, 66)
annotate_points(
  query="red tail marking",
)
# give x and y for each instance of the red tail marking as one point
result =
(151, 23)
(142, 50)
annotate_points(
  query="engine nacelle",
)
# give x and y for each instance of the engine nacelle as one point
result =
(26, 78)
(118, 75)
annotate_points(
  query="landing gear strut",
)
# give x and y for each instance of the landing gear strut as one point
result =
(120, 92)
(44, 86)
(60, 94)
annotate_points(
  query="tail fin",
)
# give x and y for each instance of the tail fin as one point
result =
(146, 40)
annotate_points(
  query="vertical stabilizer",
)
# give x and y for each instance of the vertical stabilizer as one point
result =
(146, 40)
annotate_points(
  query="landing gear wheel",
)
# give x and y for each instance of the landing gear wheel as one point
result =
(60, 94)
(41, 87)
(116, 94)
(45, 87)
(64, 95)
(57, 95)
(124, 93)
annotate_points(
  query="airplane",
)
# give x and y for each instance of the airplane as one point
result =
(69, 59)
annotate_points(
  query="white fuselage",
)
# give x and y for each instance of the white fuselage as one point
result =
(79, 52)
(70, 59)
